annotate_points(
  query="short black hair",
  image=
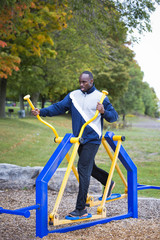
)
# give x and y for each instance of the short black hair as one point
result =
(89, 73)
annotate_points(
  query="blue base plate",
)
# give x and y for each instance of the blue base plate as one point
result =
(78, 218)
(113, 196)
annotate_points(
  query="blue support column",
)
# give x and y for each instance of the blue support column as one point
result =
(132, 193)
(131, 175)
(42, 185)
(42, 212)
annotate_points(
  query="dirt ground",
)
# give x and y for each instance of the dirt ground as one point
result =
(147, 226)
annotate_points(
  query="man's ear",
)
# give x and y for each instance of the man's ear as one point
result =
(92, 81)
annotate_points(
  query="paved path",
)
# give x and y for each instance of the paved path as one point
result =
(146, 122)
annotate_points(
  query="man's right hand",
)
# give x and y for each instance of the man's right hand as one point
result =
(35, 112)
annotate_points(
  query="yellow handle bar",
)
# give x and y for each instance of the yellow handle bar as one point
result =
(27, 97)
(104, 93)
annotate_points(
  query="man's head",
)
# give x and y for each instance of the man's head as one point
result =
(86, 81)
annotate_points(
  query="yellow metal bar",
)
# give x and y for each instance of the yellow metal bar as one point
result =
(116, 138)
(27, 97)
(117, 167)
(73, 168)
(58, 139)
(65, 221)
(72, 140)
(95, 116)
(98, 202)
(110, 174)
(64, 182)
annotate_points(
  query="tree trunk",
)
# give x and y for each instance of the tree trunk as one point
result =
(35, 97)
(21, 102)
(3, 88)
(43, 102)
(124, 117)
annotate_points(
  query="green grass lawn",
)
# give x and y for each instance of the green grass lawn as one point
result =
(28, 142)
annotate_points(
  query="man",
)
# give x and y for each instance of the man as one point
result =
(82, 104)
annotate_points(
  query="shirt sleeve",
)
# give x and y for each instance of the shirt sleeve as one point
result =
(110, 113)
(57, 108)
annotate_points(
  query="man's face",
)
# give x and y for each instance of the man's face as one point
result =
(85, 82)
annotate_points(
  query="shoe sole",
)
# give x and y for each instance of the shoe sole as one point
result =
(85, 215)
(78, 218)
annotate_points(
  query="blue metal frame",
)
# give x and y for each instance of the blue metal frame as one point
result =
(132, 190)
(143, 187)
(21, 211)
(42, 185)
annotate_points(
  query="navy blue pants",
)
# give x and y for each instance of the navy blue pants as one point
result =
(86, 169)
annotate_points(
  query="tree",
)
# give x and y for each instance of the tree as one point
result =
(30, 31)
(139, 97)
(131, 101)
(114, 75)
(149, 100)
(8, 62)
(135, 14)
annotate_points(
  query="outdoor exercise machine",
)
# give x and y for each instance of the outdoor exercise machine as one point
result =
(109, 141)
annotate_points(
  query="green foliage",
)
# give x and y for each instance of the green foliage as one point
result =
(11, 3)
(33, 30)
(136, 14)
(114, 75)
(131, 101)
(139, 97)
(95, 40)
(91, 43)
(149, 100)
(133, 14)
(28, 80)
